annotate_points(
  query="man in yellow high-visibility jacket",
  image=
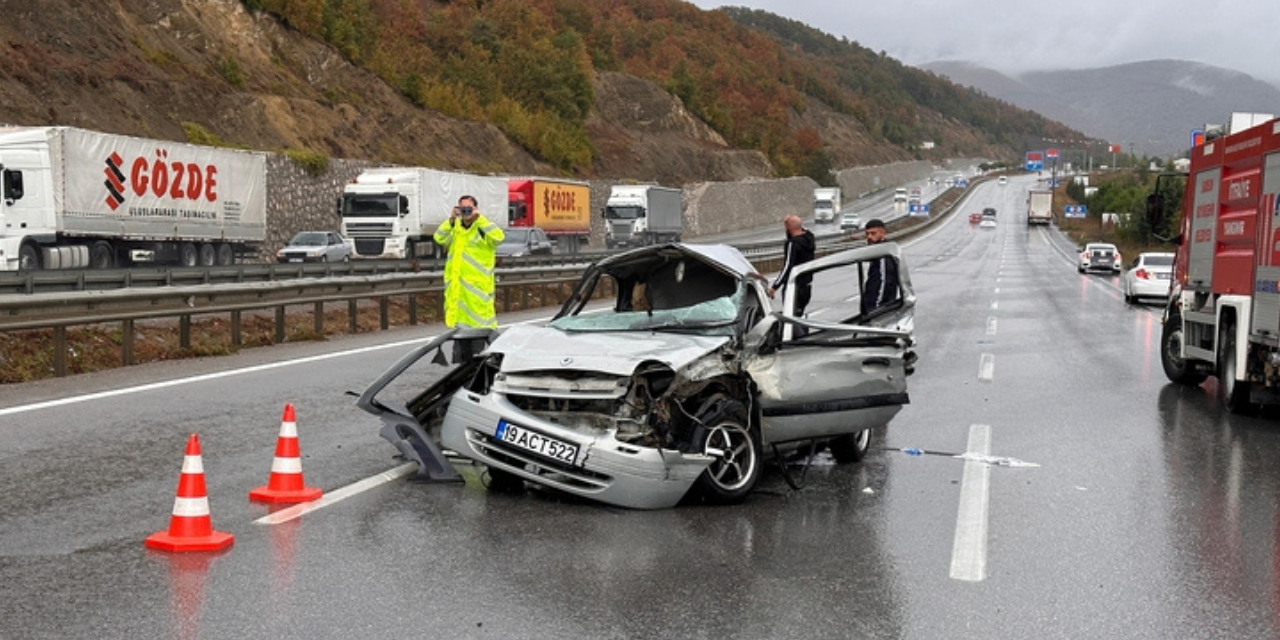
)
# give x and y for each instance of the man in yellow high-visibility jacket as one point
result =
(471, 240)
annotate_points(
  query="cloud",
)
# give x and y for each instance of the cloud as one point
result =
(1017, 35)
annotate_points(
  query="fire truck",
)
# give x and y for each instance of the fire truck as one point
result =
(1223, 314)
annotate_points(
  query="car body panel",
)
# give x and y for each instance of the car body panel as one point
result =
(1148, 276)
(1099, 256)
(605, 402)
(315, 246)
(850, 221)
(524, 241)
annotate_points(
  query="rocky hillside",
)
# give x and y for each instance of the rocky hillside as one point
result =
(215, 71)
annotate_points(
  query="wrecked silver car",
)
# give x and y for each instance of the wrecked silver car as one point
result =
(680, 387)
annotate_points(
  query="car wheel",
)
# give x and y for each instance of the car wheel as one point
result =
(503, 481)
(851, 447)
(1234, 393)
(725, 434)
(1079, 269)
(1175, 367)
(208, 255)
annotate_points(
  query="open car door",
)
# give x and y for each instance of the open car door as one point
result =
(837, 370)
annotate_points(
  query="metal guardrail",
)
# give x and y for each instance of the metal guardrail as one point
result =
(226, 290)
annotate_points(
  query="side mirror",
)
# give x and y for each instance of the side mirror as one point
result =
(404, 206)
(1155, 210)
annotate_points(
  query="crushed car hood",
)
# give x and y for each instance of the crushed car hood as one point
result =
(532, 348)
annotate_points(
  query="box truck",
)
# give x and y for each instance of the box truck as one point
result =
(561, 208)
(1039, 206)
(637, 215)
(826, 204)
(392, 212)
(74, 199)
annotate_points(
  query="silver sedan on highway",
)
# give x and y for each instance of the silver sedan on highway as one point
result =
(1148, 276)
(682, 386)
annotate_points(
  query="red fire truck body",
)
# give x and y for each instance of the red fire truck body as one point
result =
(1223, 316)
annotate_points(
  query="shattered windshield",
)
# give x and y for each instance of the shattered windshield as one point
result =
(713, 317)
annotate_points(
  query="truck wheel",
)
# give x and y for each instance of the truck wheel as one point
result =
(29, 258)
(1234, 393)
(208, 255)
(102, 255)
(226, 255)
(188, 255)
(1175, 368)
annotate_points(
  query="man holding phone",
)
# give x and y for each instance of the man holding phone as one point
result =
(471, 241)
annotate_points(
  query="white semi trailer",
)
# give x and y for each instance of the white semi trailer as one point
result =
(71, 198)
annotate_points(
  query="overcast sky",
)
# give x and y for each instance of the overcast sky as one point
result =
(1024, 35)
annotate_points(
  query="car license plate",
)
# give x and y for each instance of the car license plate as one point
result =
(295, 259)
(538, 443)
(1162, 276)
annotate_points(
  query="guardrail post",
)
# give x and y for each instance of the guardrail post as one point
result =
(352, 317)
(184, 332)
(235, 328)
(279, 324)
(383, 320)
(413, 310)
(506, 299)
(126, 342)
(60, 351)
(319, 319)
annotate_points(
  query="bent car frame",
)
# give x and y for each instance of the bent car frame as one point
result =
(678, 389)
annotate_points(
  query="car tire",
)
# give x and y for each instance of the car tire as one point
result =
(1234, 393)
(503, 481)
(102, 255)
(850, 447)
(725, 433)
(29, 257)
(1079, 269)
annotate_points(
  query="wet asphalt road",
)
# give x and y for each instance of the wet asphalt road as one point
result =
(1152, 513)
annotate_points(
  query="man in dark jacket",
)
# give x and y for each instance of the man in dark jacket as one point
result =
(798, 250)
(881, 286)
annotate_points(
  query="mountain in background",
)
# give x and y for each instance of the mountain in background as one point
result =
(1148, 107)
(652, 90)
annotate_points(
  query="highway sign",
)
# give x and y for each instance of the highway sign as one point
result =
(1035, 161)
(918, 209)
(1075, 210)
(1051, 154)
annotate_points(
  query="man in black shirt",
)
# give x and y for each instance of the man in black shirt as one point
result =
(881, 286)
(798, 250)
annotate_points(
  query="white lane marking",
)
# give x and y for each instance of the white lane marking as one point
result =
(987, 367)
(991, 325)
(49, 404)
(995, 305)
(997, 291)
(298, 510)
(969, 548)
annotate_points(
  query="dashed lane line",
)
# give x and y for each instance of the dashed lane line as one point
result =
(969, 548)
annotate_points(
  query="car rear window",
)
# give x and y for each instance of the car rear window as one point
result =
(1158, 261)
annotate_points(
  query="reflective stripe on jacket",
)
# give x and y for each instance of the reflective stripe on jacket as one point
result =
(468, 272)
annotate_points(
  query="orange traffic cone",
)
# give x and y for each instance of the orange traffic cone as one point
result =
(285, 483)
(190, 527)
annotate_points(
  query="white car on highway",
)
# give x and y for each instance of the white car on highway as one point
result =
(1148, 276)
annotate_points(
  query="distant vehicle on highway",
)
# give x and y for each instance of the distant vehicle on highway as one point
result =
(850, 221)
(1148, 276)
(1099, 256)
(900, 195)
(525, 241)
(988, 218)
(1003, 181)
(975, 218)
(315, 246)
